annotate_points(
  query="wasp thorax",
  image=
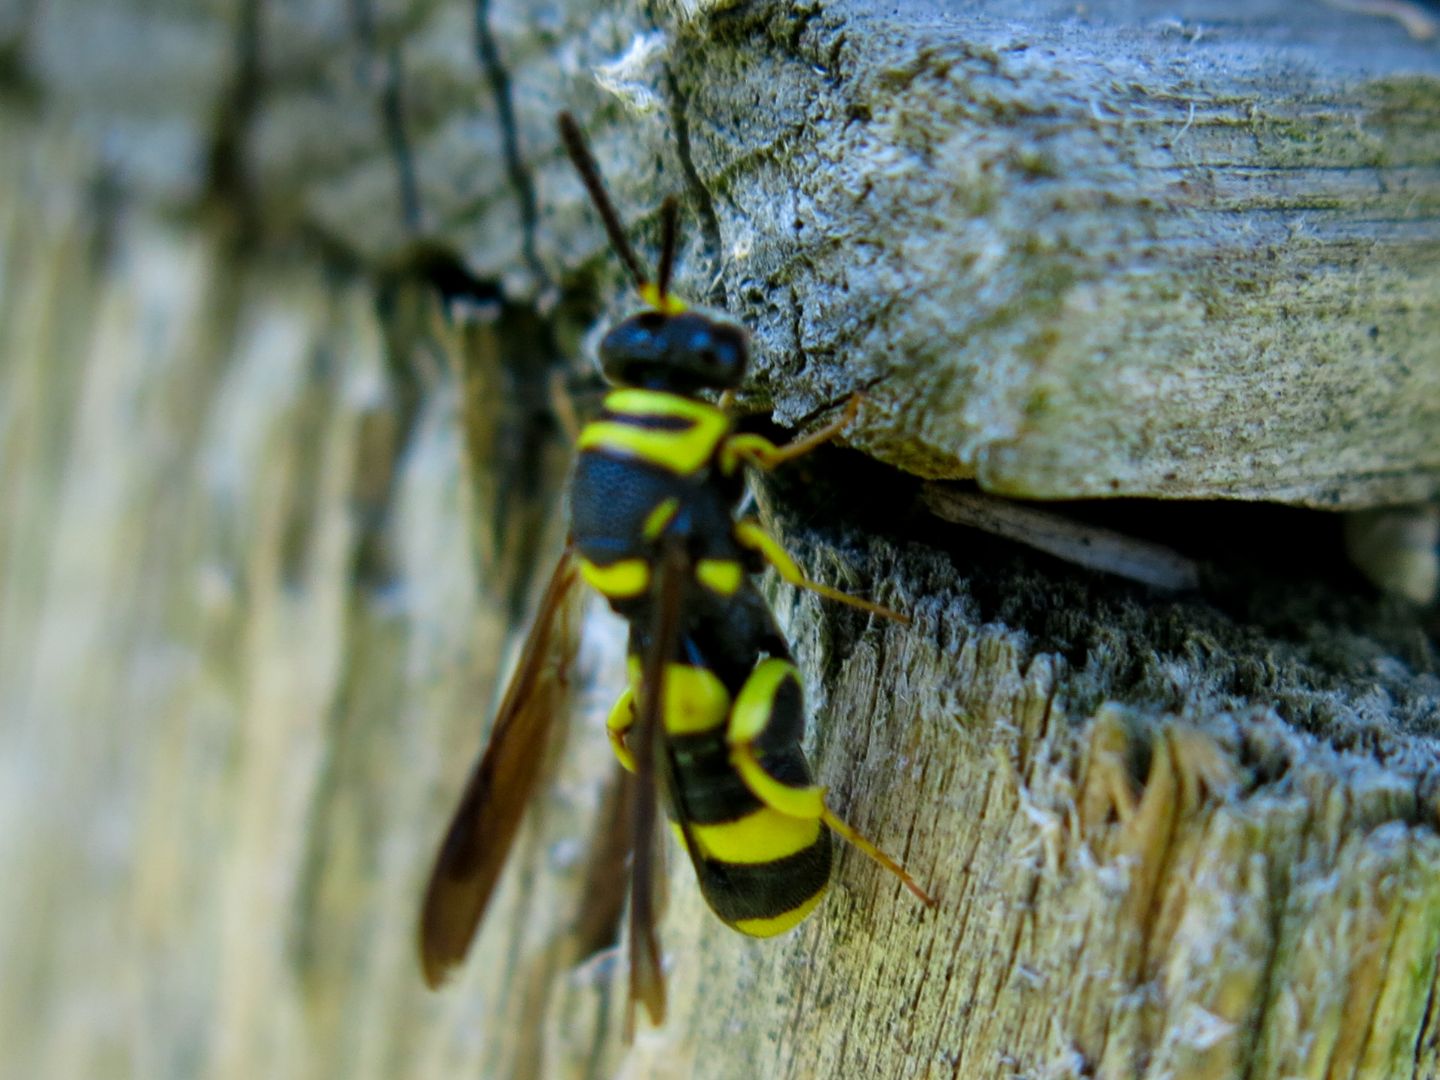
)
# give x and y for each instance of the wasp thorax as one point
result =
(681, 352)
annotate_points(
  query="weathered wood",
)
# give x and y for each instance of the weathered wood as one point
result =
(1092, 254)
(268, 520)
(1072, 252)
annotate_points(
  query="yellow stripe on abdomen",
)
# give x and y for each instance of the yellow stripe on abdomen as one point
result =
(778, 924)
(761, 836)
(696, 700)
(623, 580)
(721, 576)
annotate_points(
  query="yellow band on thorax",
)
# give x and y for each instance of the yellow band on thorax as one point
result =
(681, 450)
(623, 580)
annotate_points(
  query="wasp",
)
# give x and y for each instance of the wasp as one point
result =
(713, 716)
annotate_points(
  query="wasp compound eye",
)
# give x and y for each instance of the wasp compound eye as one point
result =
(715, 352)
(633, 347)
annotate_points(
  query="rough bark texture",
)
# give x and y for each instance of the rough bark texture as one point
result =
(285, 290)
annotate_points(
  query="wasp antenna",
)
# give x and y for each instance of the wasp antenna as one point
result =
(669, 236)
(584, 161)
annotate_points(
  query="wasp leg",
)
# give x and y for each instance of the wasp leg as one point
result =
(866, 847)
(750, 534)
(618, 725)
(759, 717)
(763, 454)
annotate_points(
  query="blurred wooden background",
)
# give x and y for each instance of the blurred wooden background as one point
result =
(286, 294)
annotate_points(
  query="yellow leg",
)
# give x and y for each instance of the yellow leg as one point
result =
(749, 534)
(760, 452)
(853, 838)
(618, 725)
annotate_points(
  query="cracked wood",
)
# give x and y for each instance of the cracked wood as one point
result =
(262, 553)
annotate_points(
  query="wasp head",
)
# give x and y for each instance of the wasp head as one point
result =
(681, 352)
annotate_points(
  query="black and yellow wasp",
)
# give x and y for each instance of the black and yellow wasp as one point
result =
(714, 714)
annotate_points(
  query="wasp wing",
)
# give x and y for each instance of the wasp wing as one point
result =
(652, 768)
(602, 908)
(502, 782)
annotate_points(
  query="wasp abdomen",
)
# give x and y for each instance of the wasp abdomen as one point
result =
(743, 796)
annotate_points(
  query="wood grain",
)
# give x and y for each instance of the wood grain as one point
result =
(278, 474)
(1073, 252)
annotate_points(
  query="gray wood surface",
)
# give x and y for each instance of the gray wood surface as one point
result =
(1120, 249)
(271, 512)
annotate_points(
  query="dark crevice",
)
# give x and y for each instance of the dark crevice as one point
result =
(393, 106)
(699, 193)
(514, 364)
(392, 109)
(488, 54)
(520, 365)
(1284, 610)
(1281, 620)
(19, 85)
(1421, 1029)
(404, 296)
(797, 25)
(362, 21)
(311, 412)
(229, 189)
(515, 370)
(388, 433)
(448, 275)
